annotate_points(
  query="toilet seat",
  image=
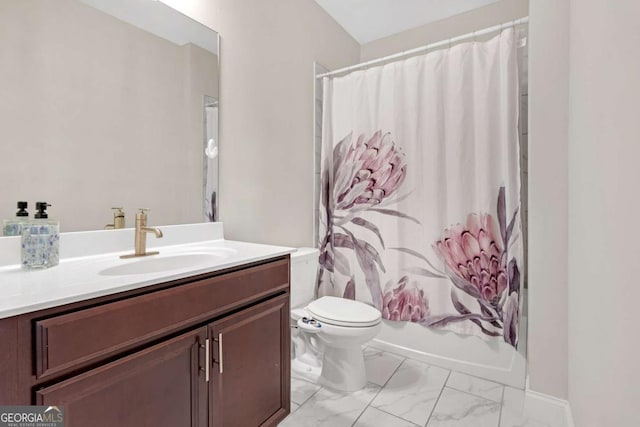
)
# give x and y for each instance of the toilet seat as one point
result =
(344, 312)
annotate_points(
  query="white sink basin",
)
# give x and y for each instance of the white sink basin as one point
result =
(168, 262)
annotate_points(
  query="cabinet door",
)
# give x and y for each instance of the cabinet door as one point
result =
(250, 384)
(163, 385)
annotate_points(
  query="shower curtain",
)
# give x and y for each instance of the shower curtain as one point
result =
(420, 189)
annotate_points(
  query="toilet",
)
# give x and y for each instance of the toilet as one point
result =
(327, 333)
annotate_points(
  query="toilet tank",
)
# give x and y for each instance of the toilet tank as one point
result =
(304, 268)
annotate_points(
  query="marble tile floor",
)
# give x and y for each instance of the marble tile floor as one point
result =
(408, 393)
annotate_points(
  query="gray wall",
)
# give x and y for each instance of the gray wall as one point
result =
(548, 194)
(604, 202)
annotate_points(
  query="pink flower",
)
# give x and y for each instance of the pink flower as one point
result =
(475, 257)
(405, 304)
(367, 172)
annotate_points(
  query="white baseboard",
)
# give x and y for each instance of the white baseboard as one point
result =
(564, 404)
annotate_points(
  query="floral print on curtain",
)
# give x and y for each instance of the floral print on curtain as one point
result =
(367, 176)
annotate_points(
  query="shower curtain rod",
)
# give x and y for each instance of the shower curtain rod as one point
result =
(442, 43)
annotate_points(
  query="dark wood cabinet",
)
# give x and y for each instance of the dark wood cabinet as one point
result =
(250, 380)
(159, 386)
(211, 350)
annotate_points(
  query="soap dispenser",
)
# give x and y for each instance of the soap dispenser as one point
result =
(41, 241)
(13, 227)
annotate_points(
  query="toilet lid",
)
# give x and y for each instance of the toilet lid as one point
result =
(344, 312)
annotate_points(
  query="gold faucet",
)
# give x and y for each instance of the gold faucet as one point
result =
(118, 220)
(141, 235)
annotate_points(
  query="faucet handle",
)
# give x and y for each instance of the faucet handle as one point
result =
(142, 214)
(118, 219)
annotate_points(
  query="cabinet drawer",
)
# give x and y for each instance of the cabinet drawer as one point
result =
(163, 385)
(83, 337)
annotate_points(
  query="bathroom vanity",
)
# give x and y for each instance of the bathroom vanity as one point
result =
(208, 347)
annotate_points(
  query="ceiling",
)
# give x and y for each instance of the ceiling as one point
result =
(368, 20)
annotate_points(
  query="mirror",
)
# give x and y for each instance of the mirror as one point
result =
(108, 103)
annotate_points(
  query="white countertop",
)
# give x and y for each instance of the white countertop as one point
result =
(82, 278)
